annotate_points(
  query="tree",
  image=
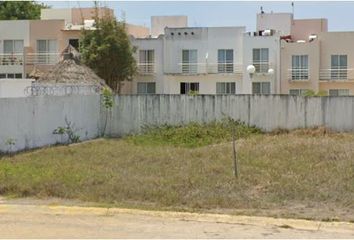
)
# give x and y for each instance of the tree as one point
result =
(21, 10)
(107, 50)
(108, 102)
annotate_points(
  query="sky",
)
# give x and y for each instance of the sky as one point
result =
(340, 15)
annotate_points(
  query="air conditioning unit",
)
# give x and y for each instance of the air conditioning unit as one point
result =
(89, 23)
(312, 37)
(68, 26)
(267, 32)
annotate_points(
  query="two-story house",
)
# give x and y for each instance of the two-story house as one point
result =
(29, 44)
(311, 57)
(323, 62)
(191, 59)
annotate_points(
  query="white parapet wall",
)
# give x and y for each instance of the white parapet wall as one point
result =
(31, 121)
(14, 88)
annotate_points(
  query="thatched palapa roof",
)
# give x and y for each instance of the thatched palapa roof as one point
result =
(70, 71)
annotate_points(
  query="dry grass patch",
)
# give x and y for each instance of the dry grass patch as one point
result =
(294, 174)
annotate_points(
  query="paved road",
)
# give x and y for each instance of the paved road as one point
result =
(45, 221)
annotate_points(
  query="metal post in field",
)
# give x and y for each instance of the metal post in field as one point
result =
(234, 150)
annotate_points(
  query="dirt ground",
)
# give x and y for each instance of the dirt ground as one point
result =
(30, 218)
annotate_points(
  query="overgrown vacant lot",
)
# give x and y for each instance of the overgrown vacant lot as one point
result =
(305, 173)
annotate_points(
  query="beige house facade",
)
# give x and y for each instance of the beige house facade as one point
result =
(26, 45)
(312, 58)
(159, 23)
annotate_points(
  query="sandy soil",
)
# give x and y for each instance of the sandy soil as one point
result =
(29, 218)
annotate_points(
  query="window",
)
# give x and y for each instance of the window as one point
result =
(13, 50)
(46, 46)
(189, 61)
(297, 92)
(18, 75)
(261, 59)
(10, 75)
(339, 66)
(75, 43)
(13, 46)
(338, 92)
(261, 88)
(146, 88)
(146, 61)
(300, 70)
(187, 87)
(225, 60)
(225, 88)
(47, 50)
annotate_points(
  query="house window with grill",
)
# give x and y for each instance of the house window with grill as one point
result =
(339, 65)
(261, 88)
(47, 51)
(190, 61)
(225, 88)
(13, 52)
(300, 67)
(146, 61)
(146, 88)
(297, 92)
(18, 75)
(338, 92)
(261, 59)
(225, 60)
(10, 75)
(189, 87)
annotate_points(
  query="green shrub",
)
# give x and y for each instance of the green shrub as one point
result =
(193, 134)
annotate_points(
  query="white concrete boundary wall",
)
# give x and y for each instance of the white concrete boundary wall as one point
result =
(266, 112)
(32, 120)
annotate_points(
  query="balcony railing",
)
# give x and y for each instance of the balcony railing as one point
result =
(20, 59)
(146, 68)
(209, 68)
(42, 58)
(261, 66)
(336, 74)
(224, 68)
(11, 59)
(298, 74)
(192, 68)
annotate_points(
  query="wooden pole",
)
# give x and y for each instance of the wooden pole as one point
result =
(234, 151)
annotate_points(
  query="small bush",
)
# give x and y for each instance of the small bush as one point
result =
(69, 131)
(193, 134)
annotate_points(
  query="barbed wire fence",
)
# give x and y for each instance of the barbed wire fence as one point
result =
(62, 90)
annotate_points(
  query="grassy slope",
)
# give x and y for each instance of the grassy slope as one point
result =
(278, 172)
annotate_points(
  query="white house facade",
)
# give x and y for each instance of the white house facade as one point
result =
(203, 60)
